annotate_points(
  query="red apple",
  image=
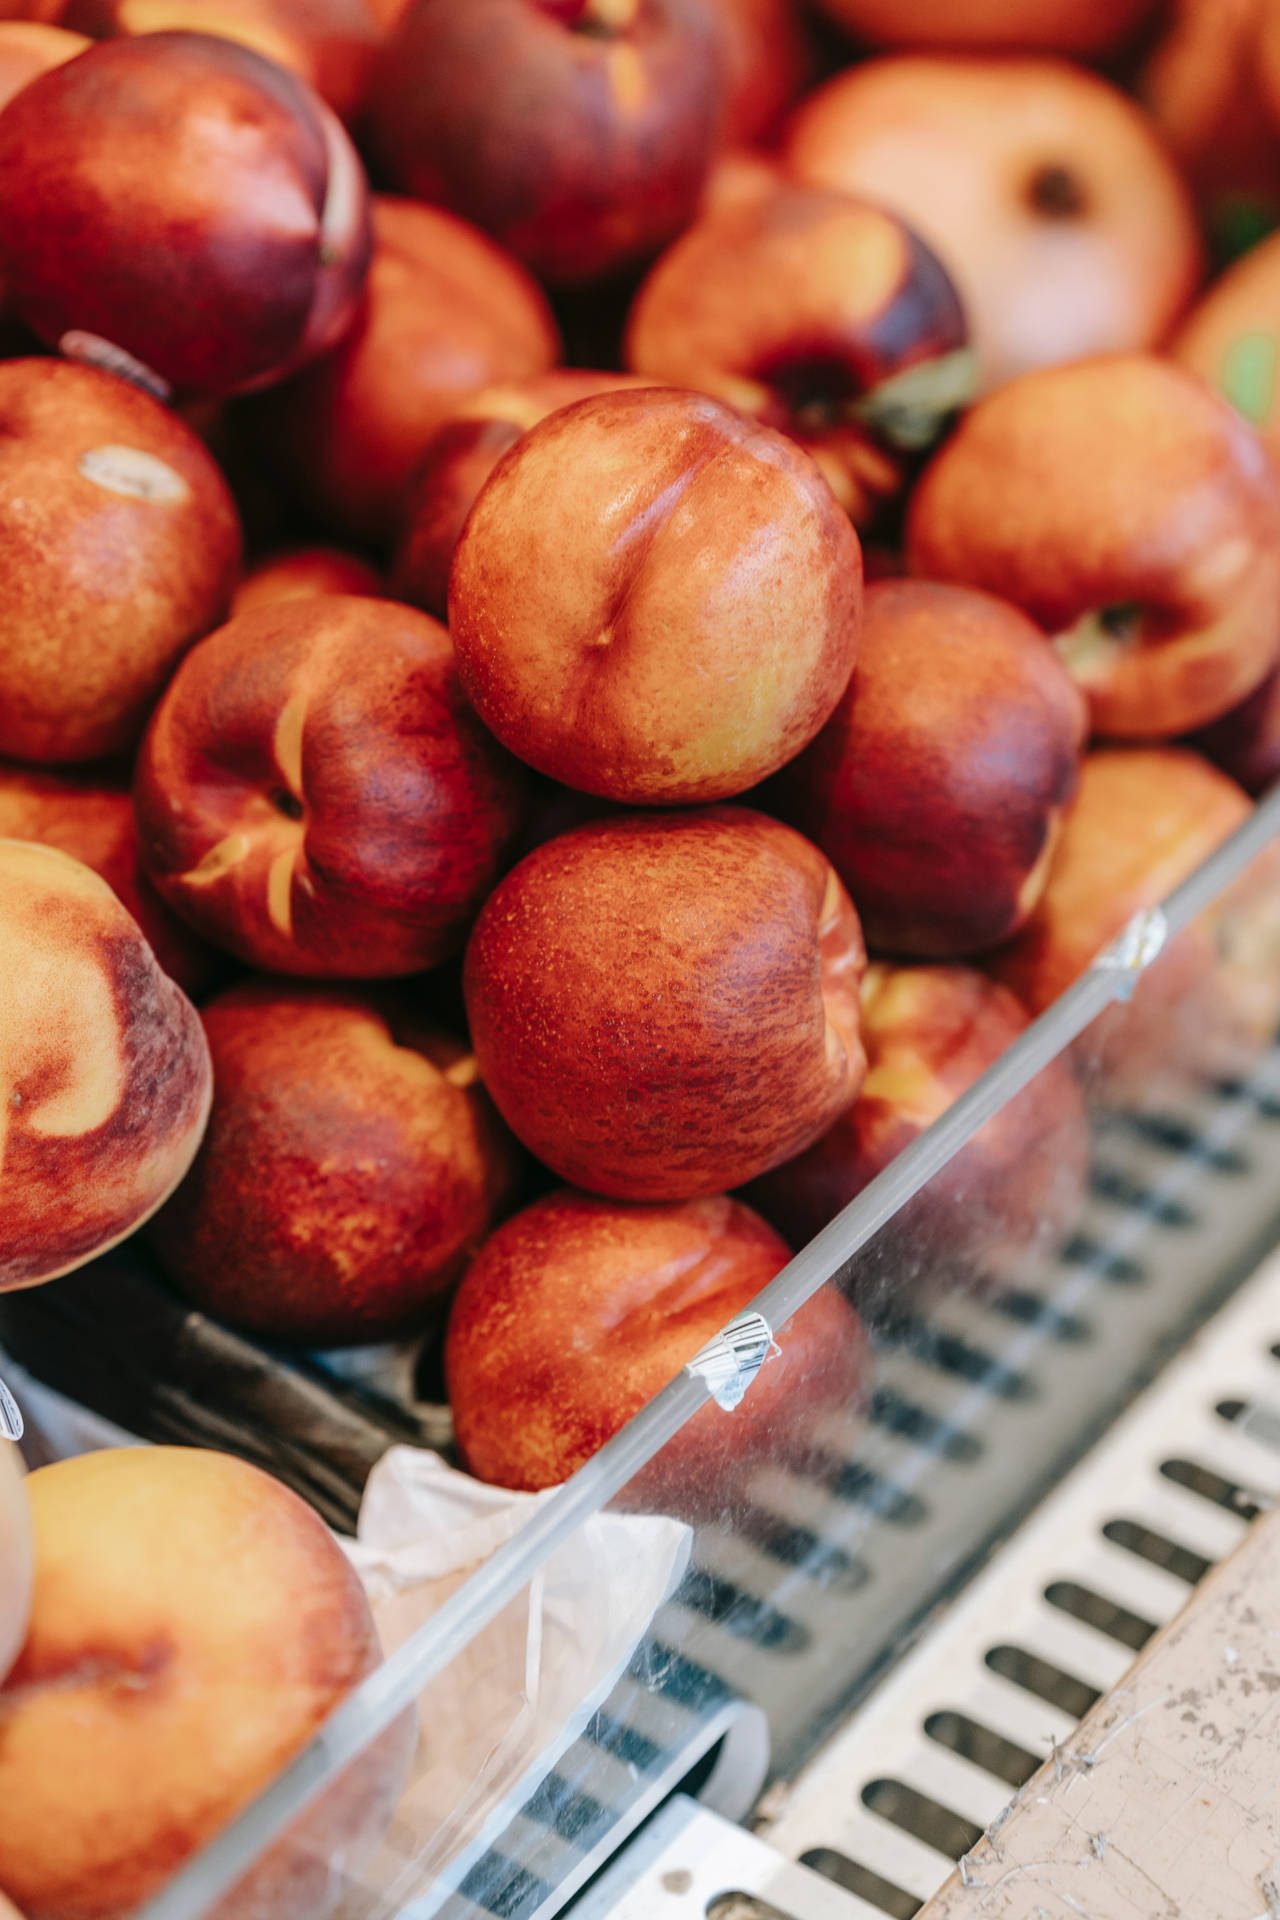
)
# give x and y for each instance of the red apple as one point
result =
(445, 313)
(300, 573)
(179, 209)
(664, 1005)
(458, 461)
(938, 785)
(104, 1071)
(1045, 192)
(1135, 517)
(579, 1310)
(315, 795)
(352, 1165)
(583, 149)
(1019, 1183)
(819, 315)
(655, 599)
(119, 546)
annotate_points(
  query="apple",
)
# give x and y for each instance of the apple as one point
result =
(819, 315)
(193, 1623)
(1044, 191)
(1132, 514)
(90, 816)
(299, 573)
(315, 796)
(583, 149)
(1018, 1184)
(655, 599)
(939, 810)
(351, 1166)
(178, 209)
(458, 461)
(1086, 28)
(119, 546)
(105, 1080)
(579, 1310)
(445, 313)
(664, 1005)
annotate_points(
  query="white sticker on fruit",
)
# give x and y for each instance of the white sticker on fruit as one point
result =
(731, 1361)
(11, 1424)
(93, 351)
(130, 471)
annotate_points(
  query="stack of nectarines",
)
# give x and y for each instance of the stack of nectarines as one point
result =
(509, 758)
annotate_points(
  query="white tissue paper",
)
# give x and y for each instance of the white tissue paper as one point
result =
(495, 1721)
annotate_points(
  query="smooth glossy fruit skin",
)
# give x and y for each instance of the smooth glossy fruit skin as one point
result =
(1045, 192)
(179, 199)
(939, 783)
(315, 796)
(193, 1623)
(820, 315)
(582, 151)
(352, 1165)
(119, 547)
(692, 631)
(1132, 514)
(665, 1005)
(105, 1081)
(643, 1288)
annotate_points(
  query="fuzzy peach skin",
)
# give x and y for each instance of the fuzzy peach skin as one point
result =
(1085, 28)
(445, 313)
(193, 1622)
(119, 546)
(1132, 514)
(1231, 338)
(179, 199)
(299, 573)
(1044, 191)
(930, 1032)
(582, 150)
(90, 816)
(352, 1165)
(1144, 819)
(16, 1556)
(458, 461)
(328, 43)
(664, 1005)
(654, 599)
(579, 1310)
(938, 785)
(105, 1080)
(315, 795)
(819, 315)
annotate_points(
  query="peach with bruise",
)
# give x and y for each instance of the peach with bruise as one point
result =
(1134, 516)
(180, 209)
(315, 795)
(582, 151)
(640, 1290)
(664, 1005)
(90, 816)
(193, 1623)
(1085, 28)
(351, 1166)
(328, 43)
(105, 1080)
(1044, 191)
(445, 313)
(654, 599)
(458, 461)
(299, 573)
(930, 1032)
(939, 809)
(120, 546)
(819, 315)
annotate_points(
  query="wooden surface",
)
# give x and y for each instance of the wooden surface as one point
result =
(1165, 1802)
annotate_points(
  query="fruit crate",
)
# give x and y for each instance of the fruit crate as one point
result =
(801, 1575)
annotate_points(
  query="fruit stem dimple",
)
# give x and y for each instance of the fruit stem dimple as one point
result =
(1057, 193)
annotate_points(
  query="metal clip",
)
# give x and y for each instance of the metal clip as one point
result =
(731, 1361)
(1131, 952)
(11, 1423)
